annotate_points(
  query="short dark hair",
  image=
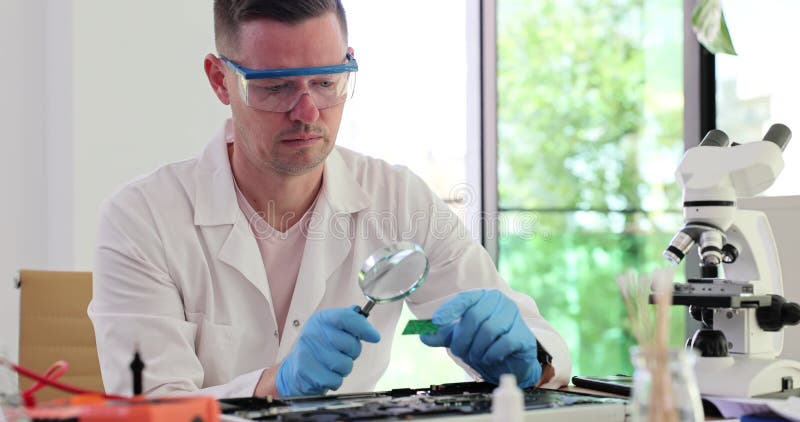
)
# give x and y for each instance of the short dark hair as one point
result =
(230, 14)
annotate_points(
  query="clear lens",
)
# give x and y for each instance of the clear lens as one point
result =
(282, 94)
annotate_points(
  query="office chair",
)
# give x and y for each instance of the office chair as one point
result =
(54, 326)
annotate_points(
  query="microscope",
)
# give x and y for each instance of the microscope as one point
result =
(737, 297)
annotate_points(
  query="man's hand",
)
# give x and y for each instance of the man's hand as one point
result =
(485, 330)
(324, 353)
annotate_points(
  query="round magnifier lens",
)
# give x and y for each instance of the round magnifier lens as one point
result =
(394, 272)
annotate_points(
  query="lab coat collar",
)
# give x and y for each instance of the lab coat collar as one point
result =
(218, 215)
(215, 196)
(342, 191)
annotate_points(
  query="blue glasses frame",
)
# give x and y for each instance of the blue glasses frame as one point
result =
(248, 74)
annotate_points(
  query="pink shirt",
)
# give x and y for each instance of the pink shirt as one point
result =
(281, 253)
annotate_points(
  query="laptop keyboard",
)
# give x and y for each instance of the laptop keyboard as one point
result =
(437, 401)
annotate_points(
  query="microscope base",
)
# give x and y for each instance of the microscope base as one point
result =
(743, 376)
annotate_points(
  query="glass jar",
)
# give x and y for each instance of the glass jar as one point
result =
(668, 394)
(11, 407)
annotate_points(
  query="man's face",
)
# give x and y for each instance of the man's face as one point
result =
(299, 140)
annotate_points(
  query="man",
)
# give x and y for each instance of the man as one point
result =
(235, 273)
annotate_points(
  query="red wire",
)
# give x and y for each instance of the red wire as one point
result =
(56, 370)
(43, 380)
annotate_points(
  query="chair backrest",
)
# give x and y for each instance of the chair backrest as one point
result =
(54, 326)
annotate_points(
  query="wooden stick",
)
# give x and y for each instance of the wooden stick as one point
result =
(652, 335)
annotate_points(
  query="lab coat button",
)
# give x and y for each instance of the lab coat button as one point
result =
(296, 323)
(276, 333)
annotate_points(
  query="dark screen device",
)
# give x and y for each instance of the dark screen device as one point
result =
(621, 385)
(614, 384)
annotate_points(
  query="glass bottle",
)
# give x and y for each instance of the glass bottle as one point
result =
(11, 407)
(668, 395)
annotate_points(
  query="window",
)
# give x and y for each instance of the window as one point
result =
(759, 86)
(415, 104)
(589, 127)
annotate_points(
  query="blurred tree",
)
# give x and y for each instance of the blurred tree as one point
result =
(579, 129)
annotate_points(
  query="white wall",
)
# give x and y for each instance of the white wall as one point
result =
(22, 160)
(139, 87)
(91, 89)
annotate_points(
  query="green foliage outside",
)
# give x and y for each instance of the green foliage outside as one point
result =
(571, 275)
(590, 112)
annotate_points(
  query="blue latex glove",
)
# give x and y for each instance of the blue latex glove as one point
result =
(324, 353)
(485, 330)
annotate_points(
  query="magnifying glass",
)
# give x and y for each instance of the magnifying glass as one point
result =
(392, 273)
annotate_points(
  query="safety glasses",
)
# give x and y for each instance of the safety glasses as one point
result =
(279, 90)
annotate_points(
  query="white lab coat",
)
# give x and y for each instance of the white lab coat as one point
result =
(178, 274)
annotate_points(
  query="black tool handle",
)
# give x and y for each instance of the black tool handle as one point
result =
(364, 310)
(137, 367)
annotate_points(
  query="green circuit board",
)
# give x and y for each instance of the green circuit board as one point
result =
(420, 326)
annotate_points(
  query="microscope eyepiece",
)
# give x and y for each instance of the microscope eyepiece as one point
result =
(715, 138)
(778, 134)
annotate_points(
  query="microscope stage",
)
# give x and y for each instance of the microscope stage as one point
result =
(721, 301)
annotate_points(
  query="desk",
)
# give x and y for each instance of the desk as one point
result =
(582, 390)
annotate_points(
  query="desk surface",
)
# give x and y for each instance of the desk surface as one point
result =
(582, 390)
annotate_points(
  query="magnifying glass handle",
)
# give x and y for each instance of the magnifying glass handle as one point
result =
(364, 310)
